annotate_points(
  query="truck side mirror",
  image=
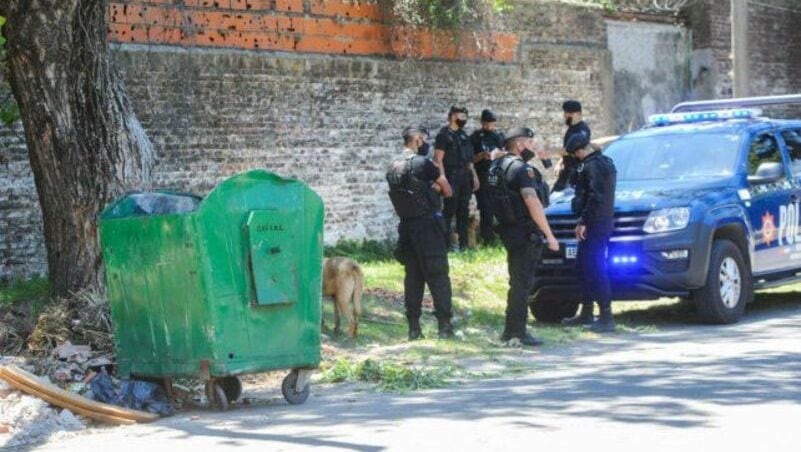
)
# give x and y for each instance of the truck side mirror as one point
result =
(767, 173)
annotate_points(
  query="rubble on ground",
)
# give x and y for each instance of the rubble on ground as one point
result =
(26, 420)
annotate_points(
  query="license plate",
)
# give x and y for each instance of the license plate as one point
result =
(570, 251)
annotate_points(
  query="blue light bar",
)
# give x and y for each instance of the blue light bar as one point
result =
(703, 116)
(624, 260)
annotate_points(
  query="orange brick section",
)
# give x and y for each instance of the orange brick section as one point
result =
(348, 9)
(333, 27)
(293, 6)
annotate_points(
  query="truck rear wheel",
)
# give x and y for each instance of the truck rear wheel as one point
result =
(728, 285)
(552, 309)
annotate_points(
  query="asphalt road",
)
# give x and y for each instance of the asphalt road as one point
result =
(689, 387)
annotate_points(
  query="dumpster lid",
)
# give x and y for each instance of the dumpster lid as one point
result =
(138, 204)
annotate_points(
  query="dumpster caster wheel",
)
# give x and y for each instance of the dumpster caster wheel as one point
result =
(232, 388)
(290, 385)
(216, 394)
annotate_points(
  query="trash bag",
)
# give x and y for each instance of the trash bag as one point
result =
(134, 394)
(140, 204)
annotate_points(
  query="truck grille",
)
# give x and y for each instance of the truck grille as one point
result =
(626, 224)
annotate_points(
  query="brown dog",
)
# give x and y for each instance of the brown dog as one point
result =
(343, 280)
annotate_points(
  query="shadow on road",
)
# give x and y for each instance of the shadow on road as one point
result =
(682, 312)
(657, 388)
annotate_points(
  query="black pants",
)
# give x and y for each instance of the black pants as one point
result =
(523, 249)
(484, 200)
(458, 205)
(425, 260)
(591, 263)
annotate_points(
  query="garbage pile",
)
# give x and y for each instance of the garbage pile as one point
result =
(68, 347)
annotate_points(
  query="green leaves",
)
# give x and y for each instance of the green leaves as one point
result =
(448, 14)
(9, 111)
(2, 22)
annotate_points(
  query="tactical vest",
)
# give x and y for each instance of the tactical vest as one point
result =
(510, 209)
(410, 196)
(459, 153)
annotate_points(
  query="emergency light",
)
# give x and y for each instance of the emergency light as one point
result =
(624, 260)
(702, 116)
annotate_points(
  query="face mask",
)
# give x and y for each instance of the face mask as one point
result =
(461, 123)
(569, 121)
(423, 148)
(527, 154)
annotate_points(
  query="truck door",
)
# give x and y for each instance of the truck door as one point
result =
(771, 209)
(791, 139)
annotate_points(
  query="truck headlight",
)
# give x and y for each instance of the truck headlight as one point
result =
(665, 220)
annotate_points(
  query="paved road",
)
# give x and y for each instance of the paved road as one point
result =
(688, 387)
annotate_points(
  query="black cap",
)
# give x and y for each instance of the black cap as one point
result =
(488, 116)
(577, 142)
(455, 109)
(571, 106)
(519, 132)
(414, 130)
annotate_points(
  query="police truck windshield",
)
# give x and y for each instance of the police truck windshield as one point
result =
(675, 157)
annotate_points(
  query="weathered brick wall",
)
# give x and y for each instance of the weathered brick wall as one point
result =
(651, 64)
(22, 249)
(774, 51)
(329, 117)
(774, 56)
(340, 27)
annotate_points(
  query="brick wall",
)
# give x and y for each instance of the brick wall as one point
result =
(651, 69)
(329, 114)
(774, 59)
(338, 27)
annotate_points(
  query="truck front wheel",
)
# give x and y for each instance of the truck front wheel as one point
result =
(551, 309)
(728, 285)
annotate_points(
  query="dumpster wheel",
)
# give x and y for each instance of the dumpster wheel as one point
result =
(216, 395)
(232, 387)
(289, 387)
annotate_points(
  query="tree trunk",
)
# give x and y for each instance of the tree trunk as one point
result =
(85, 144)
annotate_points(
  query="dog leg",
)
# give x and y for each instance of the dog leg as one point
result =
(336, 315)
(357, 303)
(344, 296)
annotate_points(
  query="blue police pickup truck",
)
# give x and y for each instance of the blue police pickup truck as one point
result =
(707, 208)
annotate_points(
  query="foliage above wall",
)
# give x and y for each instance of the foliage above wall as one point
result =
(9, 112)
(643, 6)
(449, 13)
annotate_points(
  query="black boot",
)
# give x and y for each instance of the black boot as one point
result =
(605, 323)
(584, 317)
(415, 333)
(526, 340)
(445, 329)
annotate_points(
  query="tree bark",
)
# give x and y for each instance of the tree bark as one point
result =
(85, 144)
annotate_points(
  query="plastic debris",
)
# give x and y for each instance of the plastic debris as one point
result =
(135, 394)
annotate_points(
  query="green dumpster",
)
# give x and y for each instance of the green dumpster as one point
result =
(213, 288)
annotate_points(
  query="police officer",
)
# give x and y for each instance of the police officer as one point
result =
(594, 203)
(484, 141)
(517, 190)
(415, 185)
(575, 124)
(453, 153)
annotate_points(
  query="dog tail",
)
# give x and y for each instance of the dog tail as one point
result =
(358, 287)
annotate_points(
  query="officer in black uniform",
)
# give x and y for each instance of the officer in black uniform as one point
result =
(518, 191)
(484, 141)
(415, 186)
(454, 155)
(575, 124)
(594, 203)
